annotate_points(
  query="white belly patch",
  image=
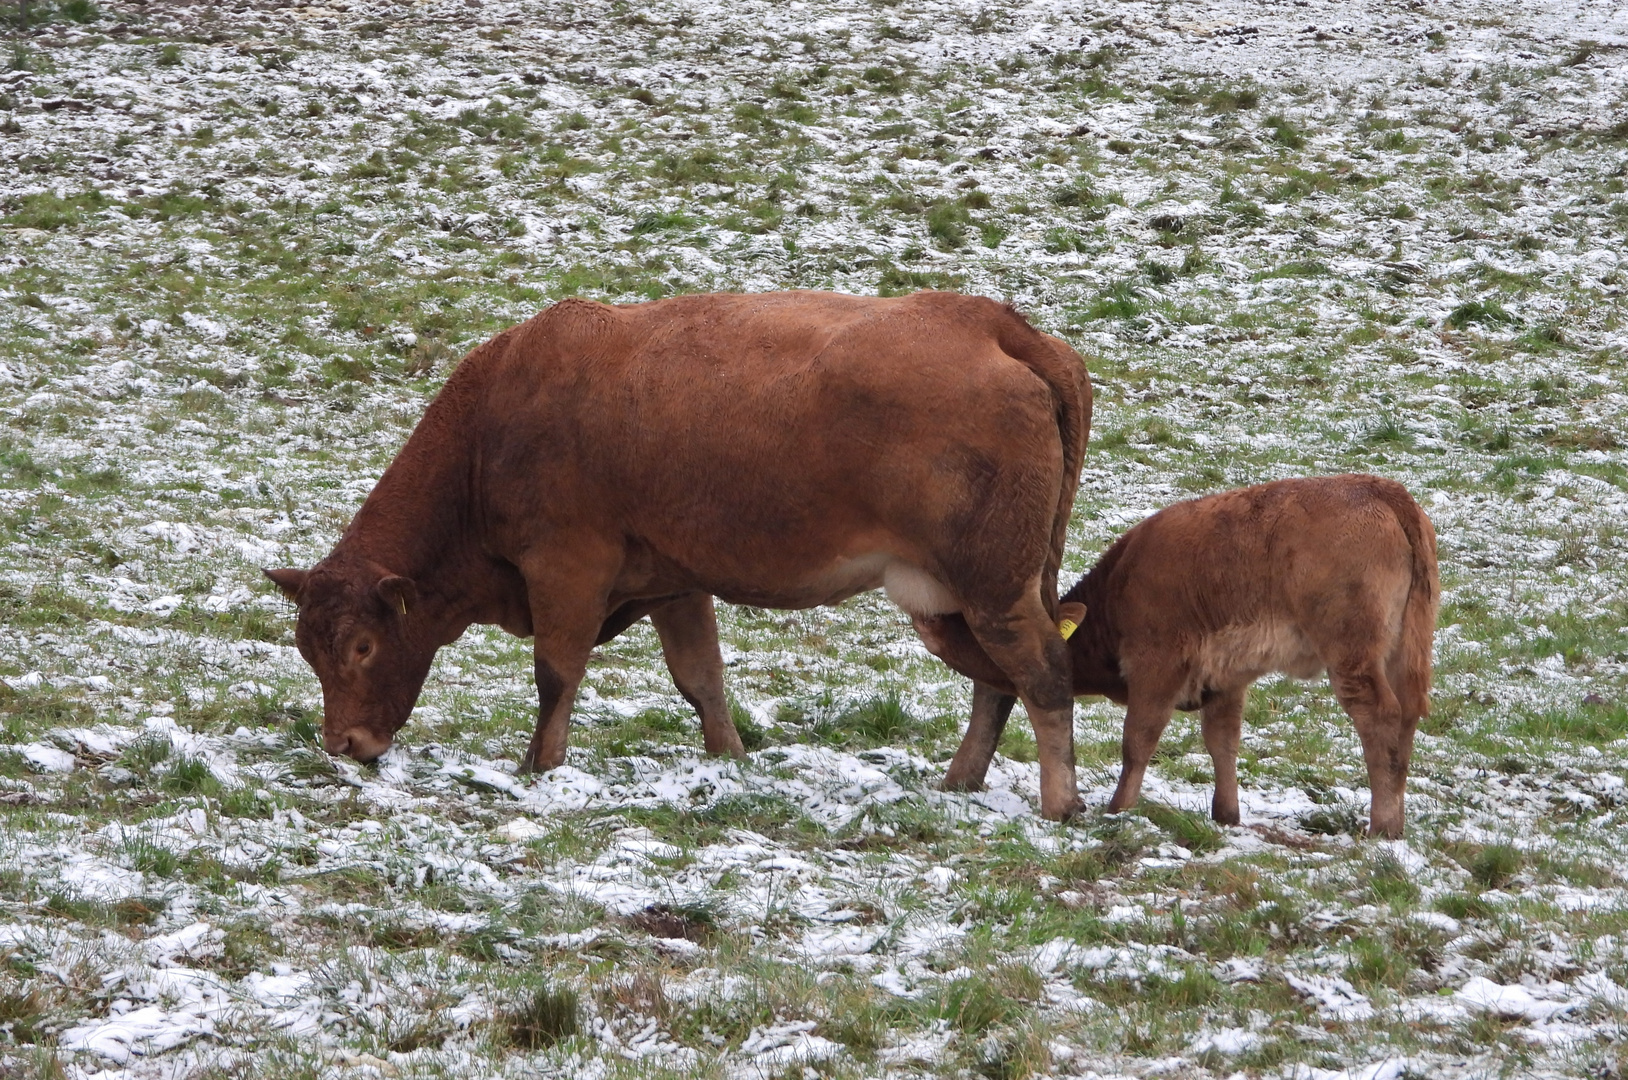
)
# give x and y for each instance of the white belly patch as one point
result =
(917, 593)
(906, 584)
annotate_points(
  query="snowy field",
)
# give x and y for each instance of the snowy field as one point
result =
(241, 245)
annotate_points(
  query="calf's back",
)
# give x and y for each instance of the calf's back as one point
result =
(1291, 576)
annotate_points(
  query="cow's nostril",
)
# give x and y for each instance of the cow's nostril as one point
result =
(337, 744)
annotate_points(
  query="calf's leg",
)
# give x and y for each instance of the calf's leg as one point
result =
(688, 628)
(1222, 721)
(1387, 738)
(1024, 643)
(1147, 712)
(990, 711)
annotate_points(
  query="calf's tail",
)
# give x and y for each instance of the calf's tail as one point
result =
(1413, 669)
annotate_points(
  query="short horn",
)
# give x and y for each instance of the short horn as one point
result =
(288, 580)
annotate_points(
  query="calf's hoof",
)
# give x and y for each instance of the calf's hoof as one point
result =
(1224, 815)
(952, 782)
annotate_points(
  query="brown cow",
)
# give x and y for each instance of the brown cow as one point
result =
(597, 464)
(1194, 604)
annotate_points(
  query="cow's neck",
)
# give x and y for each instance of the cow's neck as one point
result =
(421, 522)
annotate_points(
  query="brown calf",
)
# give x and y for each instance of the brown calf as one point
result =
(1191, 606)
(598, 464)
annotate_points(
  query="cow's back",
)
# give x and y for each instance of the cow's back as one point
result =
(777, 430)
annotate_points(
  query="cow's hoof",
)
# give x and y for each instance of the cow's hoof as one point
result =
(1067, 812)
(530, 766)
(961, 783)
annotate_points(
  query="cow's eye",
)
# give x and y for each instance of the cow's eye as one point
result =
(363, 648)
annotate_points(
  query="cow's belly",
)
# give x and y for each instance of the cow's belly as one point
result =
(914, 590)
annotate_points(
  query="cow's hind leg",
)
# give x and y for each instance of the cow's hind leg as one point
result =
(990, 711)
(688, 627)
(1387, 738)
(1023, 641)
(1222, 723)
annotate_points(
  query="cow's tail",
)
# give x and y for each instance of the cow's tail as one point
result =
(1063, 370)
(1411, 666)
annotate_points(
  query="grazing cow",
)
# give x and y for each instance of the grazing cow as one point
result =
(1194, 604)
(598, 464)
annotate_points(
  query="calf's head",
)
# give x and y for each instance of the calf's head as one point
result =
(357, 629)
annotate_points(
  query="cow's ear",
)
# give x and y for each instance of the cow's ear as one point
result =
(290, 581)
(399, 592)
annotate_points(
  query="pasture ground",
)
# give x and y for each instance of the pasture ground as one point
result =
(241, 245)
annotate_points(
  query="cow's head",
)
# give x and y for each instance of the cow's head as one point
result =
(357, 629)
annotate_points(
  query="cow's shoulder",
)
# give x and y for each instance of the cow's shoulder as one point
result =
(575, 318)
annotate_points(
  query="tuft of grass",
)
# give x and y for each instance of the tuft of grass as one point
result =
(49, 211)
(549, 1015)
(190, 776)
(24, 1014)
(1347, 819)
(1305, 268)
(1284, 132)
(146, 754)
(1390, 883)
(880, 720)
(1479, 313)
(662, 221)
(1120, 300)
(1375, 963)
(1387, 431)
(1190, 829)
(1494, 865)
(151, 858)
(974, 1004)
(753, 735)
(947, 225)
(897, 281)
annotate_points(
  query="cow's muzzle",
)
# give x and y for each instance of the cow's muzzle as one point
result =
(356, 742)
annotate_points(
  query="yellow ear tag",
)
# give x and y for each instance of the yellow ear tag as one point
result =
(402, 600)
(1067, 627)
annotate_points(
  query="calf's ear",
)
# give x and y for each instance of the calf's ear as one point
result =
(1069, 618)
(290, 581)
(399, 592)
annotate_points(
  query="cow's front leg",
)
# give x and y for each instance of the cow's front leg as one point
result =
(990, 711)
(568, 591)
(556, 693)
